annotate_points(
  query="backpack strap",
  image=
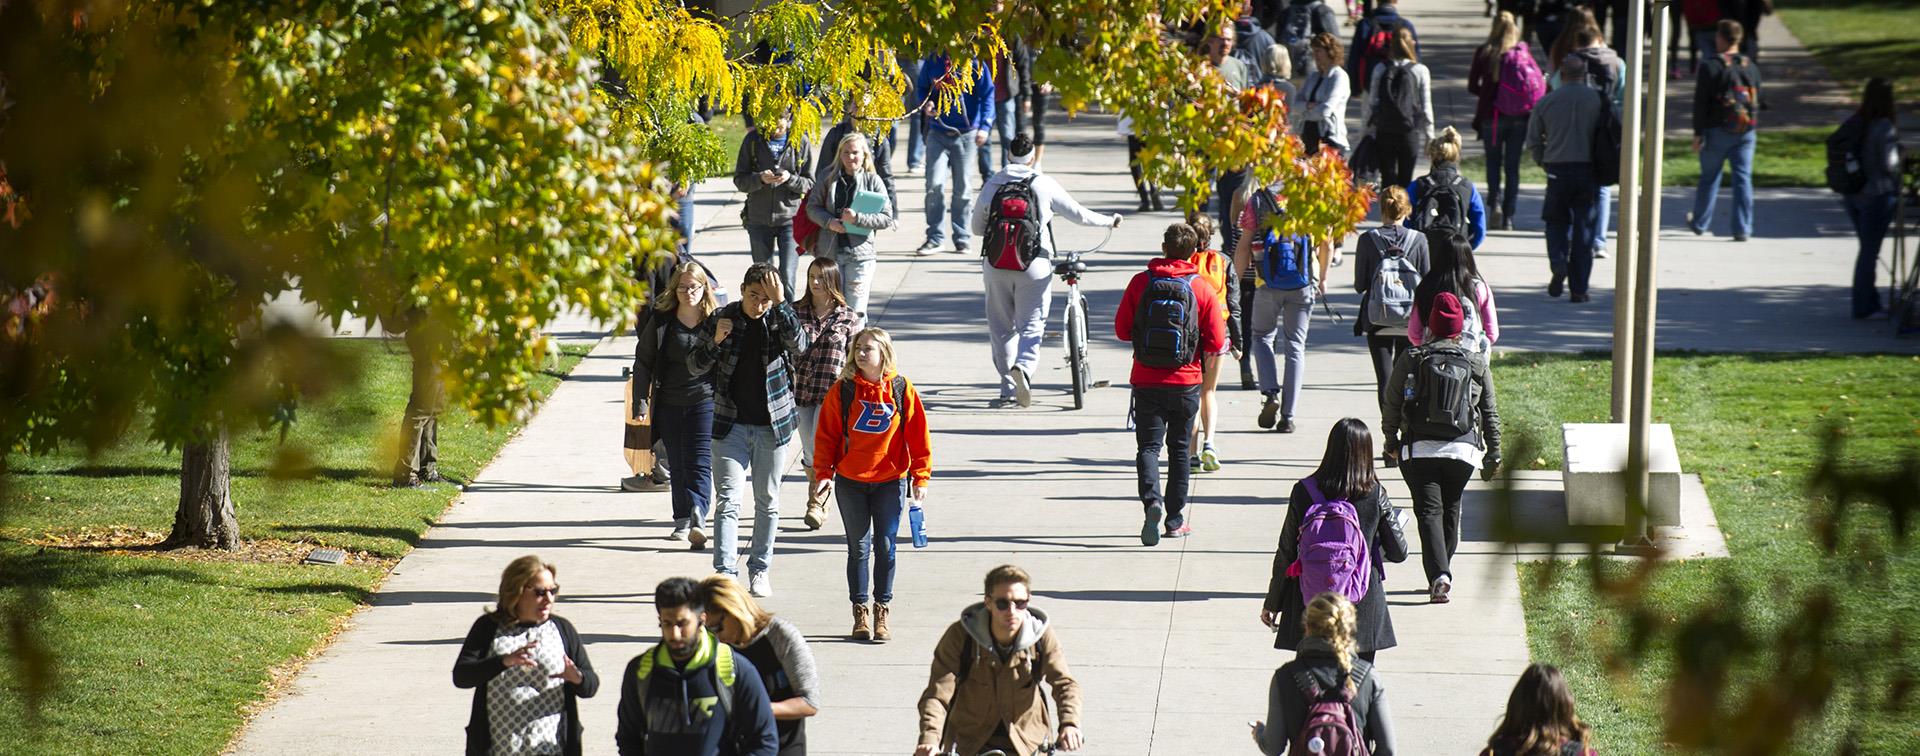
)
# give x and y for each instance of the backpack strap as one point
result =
(1313, 490)
(723, 678)
(968, 650)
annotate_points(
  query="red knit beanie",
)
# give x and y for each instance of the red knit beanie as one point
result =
(1447, 319)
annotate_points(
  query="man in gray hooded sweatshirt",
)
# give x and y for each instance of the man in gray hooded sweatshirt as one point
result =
(983, 694)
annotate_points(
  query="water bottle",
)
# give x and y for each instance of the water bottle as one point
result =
(1316, 745)
(918, 520)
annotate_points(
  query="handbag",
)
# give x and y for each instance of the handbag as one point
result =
(806, 233)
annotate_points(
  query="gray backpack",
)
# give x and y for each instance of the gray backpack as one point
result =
(1390, 295)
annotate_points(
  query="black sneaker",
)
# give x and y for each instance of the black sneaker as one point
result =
(1556, 286)
(1739, 237)
(1580, 298)
(1268, 410)
(1150, 531)
(962, 248)
(1286, 425)
(1697, 231)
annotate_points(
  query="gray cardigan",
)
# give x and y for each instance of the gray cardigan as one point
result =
(820, 209)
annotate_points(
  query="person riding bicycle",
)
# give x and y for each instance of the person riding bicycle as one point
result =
(983, 695)
(1017, 251)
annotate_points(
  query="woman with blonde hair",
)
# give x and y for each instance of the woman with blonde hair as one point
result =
(846, 236)
(829, 322)
(1443, 196)
(1326, 667)
(866, 459)
(527, 668)
(1399, 109)
(1504, 133)
(778, 651)
(1391, 245)
(677, 394)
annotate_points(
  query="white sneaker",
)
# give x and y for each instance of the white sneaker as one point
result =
(1022, 388)
(680, 530)
(1437, 593)
(759, 584)
(696, 537)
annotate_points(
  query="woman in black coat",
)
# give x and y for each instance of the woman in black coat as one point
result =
(527, 667)
(1346, 472)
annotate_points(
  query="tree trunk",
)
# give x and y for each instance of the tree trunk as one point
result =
(205, 518)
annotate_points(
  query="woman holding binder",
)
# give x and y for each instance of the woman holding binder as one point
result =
(872, 440)
(850, 205)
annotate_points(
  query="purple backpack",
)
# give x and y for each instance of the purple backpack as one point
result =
(1333, 549)
(1521, 83)
(1330, 724)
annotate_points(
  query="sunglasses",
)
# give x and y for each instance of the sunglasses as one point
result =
(553, 592)
(1004, 604)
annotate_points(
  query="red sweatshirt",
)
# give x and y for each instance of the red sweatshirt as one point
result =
(886, 443)
(1213, 323)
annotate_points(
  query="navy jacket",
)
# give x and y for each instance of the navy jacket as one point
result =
(682, 715)
(976, 112)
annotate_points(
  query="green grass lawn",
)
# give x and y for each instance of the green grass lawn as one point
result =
(158, 654)
(1783, 158)
(1750, 426)
(1860, 39)
(732, 132)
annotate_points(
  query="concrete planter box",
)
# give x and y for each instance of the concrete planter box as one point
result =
(1594, 472)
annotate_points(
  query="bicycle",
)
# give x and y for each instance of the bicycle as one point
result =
(1068, 268)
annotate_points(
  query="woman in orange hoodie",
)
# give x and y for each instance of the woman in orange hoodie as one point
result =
(871, 441)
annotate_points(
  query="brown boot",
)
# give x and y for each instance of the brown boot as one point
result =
(861, 630)
(881, 633)
(816, 506)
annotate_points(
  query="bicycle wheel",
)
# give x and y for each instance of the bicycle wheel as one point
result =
(1077, 348)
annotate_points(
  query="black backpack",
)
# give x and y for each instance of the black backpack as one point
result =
(1399, 109)
(1166, 327)
(1846, 172)
(1606, 143)
(1442, 203)
(1013, 227)
(1439, 395)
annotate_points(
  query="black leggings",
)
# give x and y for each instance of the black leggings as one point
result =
(1397, 154)
(1384, 346)
(1141, 184)
(1038, 123)
(1437, 484)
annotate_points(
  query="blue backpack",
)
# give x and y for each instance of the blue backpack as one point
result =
(1283, 263)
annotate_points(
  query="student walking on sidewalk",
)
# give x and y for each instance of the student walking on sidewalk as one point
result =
(1216, 268)
(778, 651)
(1327, 667)
(1290, 275)
(846, 236)
(984, 690)
(670, 695)
(1017, 262)
(1389, 264)
(872, 444)
(665, 368)
(1507, 84)
(751, 349)
(952, 139)
(1314, 511)
(1442, 422)
(1873, 134)
(1540, 719)
(1320, 107)
(1726, 113)
(1451, 268)
(1560, 136)
(527, 668)
(775, 172)
(1172, 317)
(1399, 109)
(829, 324)
(1444, 197)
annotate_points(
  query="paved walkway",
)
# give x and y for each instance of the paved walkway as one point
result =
(1166, 640)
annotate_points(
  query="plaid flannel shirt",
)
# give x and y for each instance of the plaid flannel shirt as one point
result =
(829, 336)
(786, 341)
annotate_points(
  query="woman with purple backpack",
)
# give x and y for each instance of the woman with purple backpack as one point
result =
(1340, 531)
(1507, 82)
(1326, 693)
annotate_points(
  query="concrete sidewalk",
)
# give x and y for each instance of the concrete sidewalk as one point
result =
(1166, 640)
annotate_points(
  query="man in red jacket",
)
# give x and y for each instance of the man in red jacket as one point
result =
(1172, 317)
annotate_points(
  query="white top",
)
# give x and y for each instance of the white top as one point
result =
(1046, 192)
(524, 703)
(1323, 100)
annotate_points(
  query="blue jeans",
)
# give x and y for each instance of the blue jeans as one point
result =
(1503, 161)
(1571, 210)
(685, 221)
(1002, 131)
(774, 244)
(1736, 151)
(688, 433)
(871, 512)
(856, 281)
(1871, 214)
(747, 446)
(1280, 318)
(1603, 210)
(1164, 415)
(949, 155)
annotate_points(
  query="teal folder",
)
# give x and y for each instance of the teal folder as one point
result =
(865, 203)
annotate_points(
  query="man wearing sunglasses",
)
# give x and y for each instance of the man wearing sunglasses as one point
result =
(984, 694)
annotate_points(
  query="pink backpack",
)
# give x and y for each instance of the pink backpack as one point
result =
(1521, 83)
(1331, 727)
(1333, 549)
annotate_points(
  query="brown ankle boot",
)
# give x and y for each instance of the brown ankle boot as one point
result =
(816, 506)
(881, 633)
(861, 630)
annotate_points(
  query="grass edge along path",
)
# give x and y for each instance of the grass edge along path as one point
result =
(1783, 159)
(1750, 426)
(173, 653)
(1859, 39)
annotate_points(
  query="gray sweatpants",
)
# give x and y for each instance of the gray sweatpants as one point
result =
(1017, 305)
(1281, 316)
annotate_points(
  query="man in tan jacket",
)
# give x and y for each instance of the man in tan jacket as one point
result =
(984, 692)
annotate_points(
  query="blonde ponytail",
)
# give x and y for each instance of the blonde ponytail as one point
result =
(1330, 617)
(1444, 147)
